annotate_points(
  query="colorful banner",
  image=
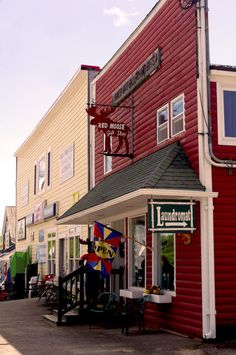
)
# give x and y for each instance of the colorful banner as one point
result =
(105, 244)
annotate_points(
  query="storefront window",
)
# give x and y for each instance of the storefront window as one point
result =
(138, 251)
(166, 264)
(52, 257)
(74, 253)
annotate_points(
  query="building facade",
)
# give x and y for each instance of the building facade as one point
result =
(52, 174)
(164, 125)
(8, 241)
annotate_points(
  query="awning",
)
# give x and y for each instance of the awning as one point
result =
(18, 262)
(163, 174)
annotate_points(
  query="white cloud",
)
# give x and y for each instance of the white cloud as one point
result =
(120, 18)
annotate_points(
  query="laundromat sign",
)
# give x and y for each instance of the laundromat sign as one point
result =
(171, 216)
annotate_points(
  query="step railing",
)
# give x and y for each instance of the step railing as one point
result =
(70, 292)
(71, 289)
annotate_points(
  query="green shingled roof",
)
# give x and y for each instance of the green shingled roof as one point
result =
(167, 168)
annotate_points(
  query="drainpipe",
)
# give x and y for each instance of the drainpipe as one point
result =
(208, 270)
(207, 227)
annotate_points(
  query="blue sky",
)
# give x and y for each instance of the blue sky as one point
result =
(43, 43)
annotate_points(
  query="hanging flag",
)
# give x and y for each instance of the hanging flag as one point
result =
(106, 242)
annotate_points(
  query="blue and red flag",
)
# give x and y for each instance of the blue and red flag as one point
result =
(106, 242)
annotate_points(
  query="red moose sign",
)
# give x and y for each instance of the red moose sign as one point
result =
(109, 127)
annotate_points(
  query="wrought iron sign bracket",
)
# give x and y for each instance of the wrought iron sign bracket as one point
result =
(131, 155)
(103, 122)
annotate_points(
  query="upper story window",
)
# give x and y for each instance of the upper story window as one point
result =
(226, 106)
(170, 115)
(177, 115)
(163, 124)
(230, 113)
(41, 173)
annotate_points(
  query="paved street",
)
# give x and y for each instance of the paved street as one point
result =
(24, 331)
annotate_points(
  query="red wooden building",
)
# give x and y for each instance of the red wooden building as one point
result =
(171, 187)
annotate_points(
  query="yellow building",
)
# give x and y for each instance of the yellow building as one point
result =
(52, 174)
(7, 240)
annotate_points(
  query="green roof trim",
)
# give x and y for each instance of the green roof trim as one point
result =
(167, 168)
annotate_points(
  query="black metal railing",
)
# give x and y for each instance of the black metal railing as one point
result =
(71, 292)
(71, 289)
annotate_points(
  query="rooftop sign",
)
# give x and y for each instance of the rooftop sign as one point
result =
(146, 69)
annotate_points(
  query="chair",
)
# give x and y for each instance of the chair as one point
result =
(34, 285)
(48, 289)
(105, 308)
(133, 314)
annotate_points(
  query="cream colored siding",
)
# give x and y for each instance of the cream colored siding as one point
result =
(64, 124)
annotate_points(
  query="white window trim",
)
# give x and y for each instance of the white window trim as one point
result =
(165, 123)
(51, 230)
(105, 158)
(171, 113)
(130, 241)
(155, 280)
(220, 88)
(42, 156)
(75, 258)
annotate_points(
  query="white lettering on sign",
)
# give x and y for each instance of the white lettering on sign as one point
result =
(176, 216)
(159, 224)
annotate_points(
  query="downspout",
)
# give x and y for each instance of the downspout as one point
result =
(207, 227)
(88, 132)
(211, 158)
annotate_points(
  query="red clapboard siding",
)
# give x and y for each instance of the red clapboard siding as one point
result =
(183, 315)
(174, 31)
(225, 244)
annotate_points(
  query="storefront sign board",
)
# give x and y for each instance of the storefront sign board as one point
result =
(171, 216)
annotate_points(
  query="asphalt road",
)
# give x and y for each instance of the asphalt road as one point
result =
(23, 330)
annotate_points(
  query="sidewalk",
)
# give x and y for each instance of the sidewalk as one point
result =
(24, 331)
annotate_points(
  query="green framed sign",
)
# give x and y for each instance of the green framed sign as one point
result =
(171, 216)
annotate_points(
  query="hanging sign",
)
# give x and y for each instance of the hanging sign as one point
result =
(171, 216)
(109, 128)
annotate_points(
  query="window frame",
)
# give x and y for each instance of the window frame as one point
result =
(130, 251)
(177, 117)
(221, 87)
(51, 238)
(73, 260)
(42, 157)
(166, 106)
(156, 260)
(107, 159)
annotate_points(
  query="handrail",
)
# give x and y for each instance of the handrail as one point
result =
(70, 292)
